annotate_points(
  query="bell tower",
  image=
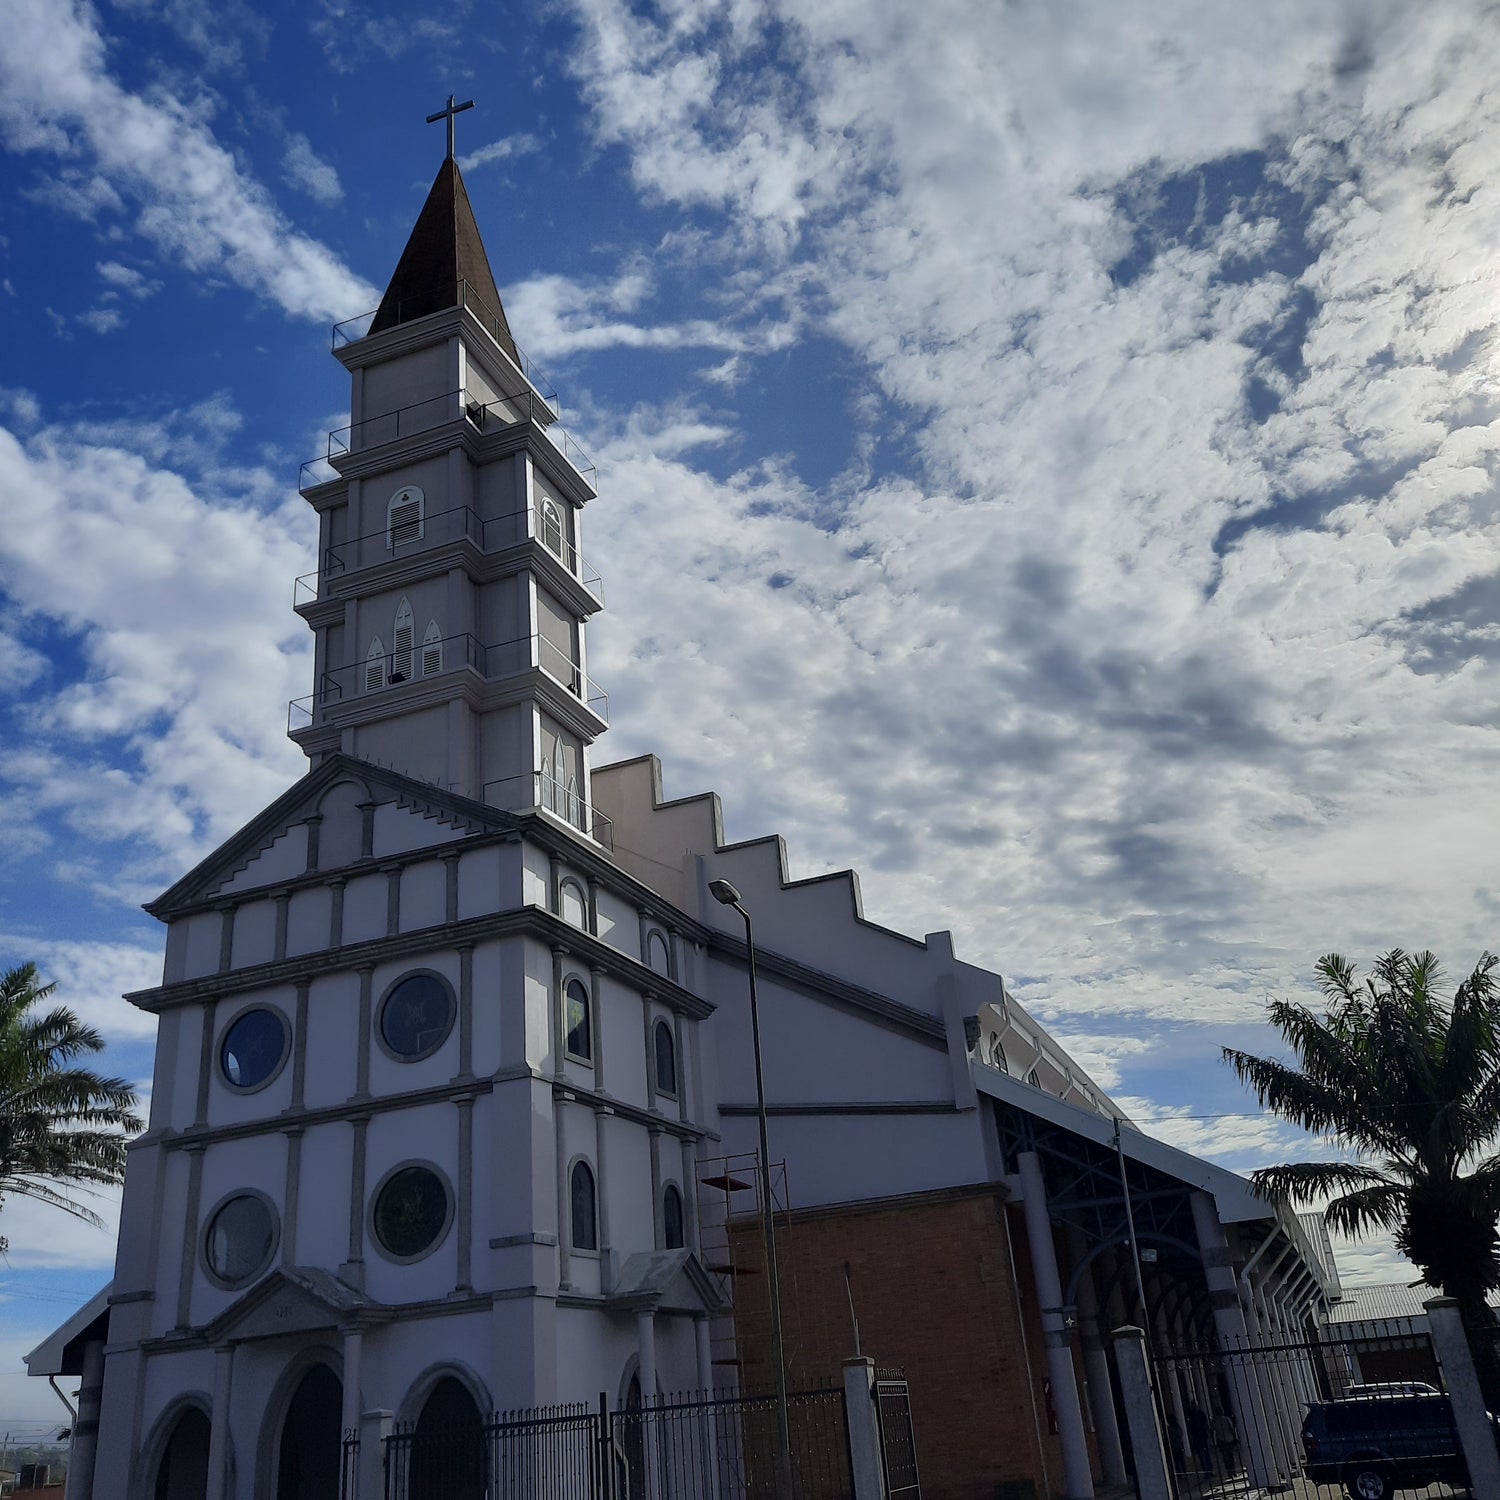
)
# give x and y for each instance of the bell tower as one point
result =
(451, 598)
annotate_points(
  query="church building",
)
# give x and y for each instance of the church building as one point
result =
(454, 1108)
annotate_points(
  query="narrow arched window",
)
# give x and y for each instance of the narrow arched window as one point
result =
(405, 517)
(671, 1219)
(581, 1193)
(432, 650)
(1034, 1079)
(571, 905)
(552, 528)
(375, 666)
(658, 956)
(401, 650)
(578, 1020)
(666, 1058)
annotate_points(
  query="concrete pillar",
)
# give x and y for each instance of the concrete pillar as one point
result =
(1096, 1367)
(1152, 1477)
(1229, 1323)
(354, 1344)
(374, 1428)
(218, 1428)
(85, 1444)
(867, 1461)
(703, 1348)
(1078, 1481)
(645, 1328)
(1475, 1434)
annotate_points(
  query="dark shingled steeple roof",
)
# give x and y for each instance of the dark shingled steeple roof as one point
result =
(444, 251)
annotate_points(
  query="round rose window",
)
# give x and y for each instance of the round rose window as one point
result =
(241, 1237)
(412, 1210)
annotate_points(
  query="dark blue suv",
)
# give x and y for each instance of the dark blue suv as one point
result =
(1376, 1445)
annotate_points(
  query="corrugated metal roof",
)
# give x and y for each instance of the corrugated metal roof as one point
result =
(1384, 1300)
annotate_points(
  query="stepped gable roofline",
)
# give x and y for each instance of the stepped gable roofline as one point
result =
(444, 253)
(241, 847)
(715, 806)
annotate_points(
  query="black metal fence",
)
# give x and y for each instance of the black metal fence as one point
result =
(1358, 1413)
(898, 1443)
(720, 1447)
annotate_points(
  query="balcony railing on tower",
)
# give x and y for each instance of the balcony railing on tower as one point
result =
(438, 528)
(544, 790)
(431, 659)
(435, 411)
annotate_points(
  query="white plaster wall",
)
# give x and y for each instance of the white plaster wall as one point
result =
(323, 1196)
(536, 876)
(285, 858)
(365, 908)
(654, 845)
(415, 744)
(490, 999)
(536, 999)
(398, 829)
(424, 895)
(621, 1015)
(254, 934)
(308, 920)
(332, 1037)
(816, 1051)
(229, 1106)
(174, 1090)
(503, 1183)
(341, 834)
(165, 1377)
(388, 1075)
(426, 1134)
(401, 1359)
(838, 1158)
(628, 1187)
(619, 924)
(409, 377)
(479, 881)
(230, 1167)
(201, 935)
(163, 1311)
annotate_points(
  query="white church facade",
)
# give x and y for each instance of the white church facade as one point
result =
(451, 1035)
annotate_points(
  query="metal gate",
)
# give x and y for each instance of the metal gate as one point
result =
(898, 1443)
(720, 1447)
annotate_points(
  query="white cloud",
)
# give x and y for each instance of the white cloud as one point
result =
(507, 148)
(193, 202)
(304, 169)
(102, 319)
(175, 593)
(128, 279)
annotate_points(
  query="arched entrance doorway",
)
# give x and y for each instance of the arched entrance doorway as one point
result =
(182, 1473)
(307, 1464)
(448, 1459)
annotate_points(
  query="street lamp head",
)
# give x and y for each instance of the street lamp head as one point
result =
(723, 892)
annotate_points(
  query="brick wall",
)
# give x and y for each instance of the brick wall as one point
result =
(935, 1296)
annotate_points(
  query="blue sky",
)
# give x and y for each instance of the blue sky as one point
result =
(1047, 463)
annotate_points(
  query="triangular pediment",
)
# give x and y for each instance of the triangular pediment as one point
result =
(273, 847)
(293, 1300)
(666, 1281)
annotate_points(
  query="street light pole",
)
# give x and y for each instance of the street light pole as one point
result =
(723, 892)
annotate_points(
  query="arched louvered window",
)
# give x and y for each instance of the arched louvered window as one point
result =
(375, 666)
(405, 517)
(671, 1219)
(585, 1229)
(553, 538)
(401, 650)
(432, 650)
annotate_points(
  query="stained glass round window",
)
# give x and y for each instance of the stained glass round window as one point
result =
(416, 1016)
(241, 1236)
(412, 1209)
(253, 1048)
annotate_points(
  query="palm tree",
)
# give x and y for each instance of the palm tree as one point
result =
(1410, 1083)
(59, 1124)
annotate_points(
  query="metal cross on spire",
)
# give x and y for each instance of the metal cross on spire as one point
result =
(448, 114)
